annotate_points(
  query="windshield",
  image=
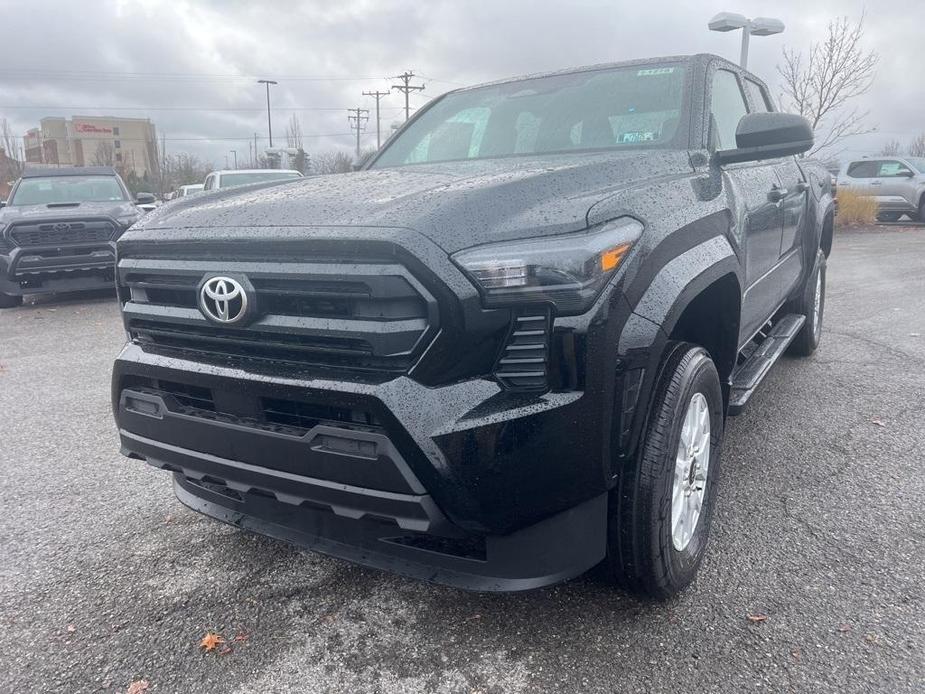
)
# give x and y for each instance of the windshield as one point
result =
(63, 189)
(635, 107)
(242, 179)
(918, 163)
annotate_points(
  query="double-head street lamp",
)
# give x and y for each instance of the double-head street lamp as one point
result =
(269, 123)
(759, 26)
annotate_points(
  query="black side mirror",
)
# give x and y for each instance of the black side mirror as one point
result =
(2, 203)
(905, 173)
(768, 136)
(145, 199)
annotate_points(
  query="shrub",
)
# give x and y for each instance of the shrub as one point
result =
(854, 208)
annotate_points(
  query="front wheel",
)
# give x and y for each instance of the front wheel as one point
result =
(661, 509)
(810, 303)
(9, 300)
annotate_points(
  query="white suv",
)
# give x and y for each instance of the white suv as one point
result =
(898, 184)
(242, 177)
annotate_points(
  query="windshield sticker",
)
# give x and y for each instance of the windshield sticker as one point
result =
(655, 71)
(638, 136)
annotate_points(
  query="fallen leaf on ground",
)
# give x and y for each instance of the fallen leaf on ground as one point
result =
(210, 641)
(168, 518)
(138, 687)
(71, 628)
(225, 650)
(878, 422)
(797, 656)
(240, 637)
(844, 628)
(758, 617)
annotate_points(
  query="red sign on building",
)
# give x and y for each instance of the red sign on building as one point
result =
(90, 128)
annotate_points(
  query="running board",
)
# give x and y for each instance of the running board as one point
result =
(748, 376)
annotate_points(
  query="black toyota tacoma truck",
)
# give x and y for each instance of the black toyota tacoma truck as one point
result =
(58, 231)
(502, 352)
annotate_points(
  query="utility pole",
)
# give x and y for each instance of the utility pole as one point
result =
(357, 118)
(269, 122)
(377, 95)
(256, 158)
(235, 153)
(407, 88)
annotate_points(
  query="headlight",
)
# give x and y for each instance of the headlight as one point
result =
(127, 220)
(569, 271)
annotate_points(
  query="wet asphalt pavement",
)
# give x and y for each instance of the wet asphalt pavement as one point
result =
(106, 579)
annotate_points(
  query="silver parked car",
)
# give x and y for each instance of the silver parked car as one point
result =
(898, 184)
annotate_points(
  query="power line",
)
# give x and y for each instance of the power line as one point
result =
(406, 87)
(377, 95)
(183, 108)
(357, 118)
(190, 139)
(27, 74)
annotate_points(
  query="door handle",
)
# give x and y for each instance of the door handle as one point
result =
(776, 194)
(801, 186)
(876, 183)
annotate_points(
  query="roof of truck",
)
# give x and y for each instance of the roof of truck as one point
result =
(694, 58)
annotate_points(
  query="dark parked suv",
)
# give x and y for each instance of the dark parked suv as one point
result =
(505, 350)
(58, 230)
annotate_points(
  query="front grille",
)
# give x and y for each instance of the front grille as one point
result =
(367, 315)
(523, 361)
(61, 233)
(291, 417)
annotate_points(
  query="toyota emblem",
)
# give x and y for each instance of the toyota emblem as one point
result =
(61, 226)
(223, 300)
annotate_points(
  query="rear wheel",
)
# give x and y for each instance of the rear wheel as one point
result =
(660, 511)
(811, 303)
(921, 215)
(9, 300)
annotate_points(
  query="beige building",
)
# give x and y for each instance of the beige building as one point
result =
(128, 144)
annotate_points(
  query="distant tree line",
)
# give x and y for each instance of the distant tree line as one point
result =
(915, 148)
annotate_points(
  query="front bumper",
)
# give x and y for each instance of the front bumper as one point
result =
(60, 269)
(461, 484)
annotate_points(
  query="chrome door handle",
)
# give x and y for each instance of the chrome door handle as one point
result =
(776, 194)
(802, 186)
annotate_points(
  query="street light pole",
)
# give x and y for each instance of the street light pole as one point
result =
(269, 122)
(235, 153)
(759, 26)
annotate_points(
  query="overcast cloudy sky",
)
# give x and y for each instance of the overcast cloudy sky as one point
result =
(67, 57)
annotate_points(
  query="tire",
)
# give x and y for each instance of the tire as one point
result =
(807, 340)
(921, 215)
(643, 554)
(9, 300)
(889, 216)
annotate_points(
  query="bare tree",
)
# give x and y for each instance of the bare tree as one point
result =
(332, 162)
(890, 149)
(104, 155)
(8, 148)
(822, 85)
(294, 132)
(917, 146)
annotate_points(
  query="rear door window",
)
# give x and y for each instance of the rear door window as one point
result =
(761, 103)
(864, 169)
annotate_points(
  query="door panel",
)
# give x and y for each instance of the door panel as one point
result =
(760, 222)
(793, 217)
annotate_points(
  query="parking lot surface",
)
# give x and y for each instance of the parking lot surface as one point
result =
(105, 579)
